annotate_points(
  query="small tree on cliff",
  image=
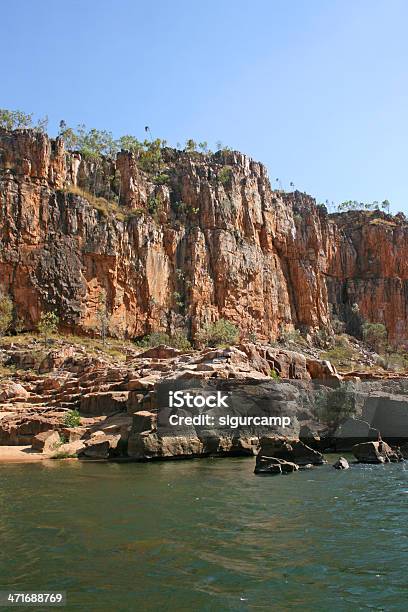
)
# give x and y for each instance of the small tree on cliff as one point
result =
(6, 313)
(93, 144)
(385, 205)
(48, 325)
(18, 120)
(130, 143)
(69, 136)
(375, 335)
(191, 146)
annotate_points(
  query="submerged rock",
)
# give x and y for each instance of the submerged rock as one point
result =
(341, 464)
(272, 465)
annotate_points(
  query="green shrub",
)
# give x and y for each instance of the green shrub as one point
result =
(16, 120)
(64, 455)
(342, 353)
(375, 335)
(338, 325)
(252, 337)
(217, 334)
(323, 338)
(153, 339)
(392, 360)
(150, 157)
(48, 325)
(180, 341)
(294, 336)
(130, 143)
(155, 205)
(161, 179)
(224, 175)
(72, 418)
(274, 374)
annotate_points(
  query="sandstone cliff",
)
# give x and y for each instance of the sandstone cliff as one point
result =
(213, 240)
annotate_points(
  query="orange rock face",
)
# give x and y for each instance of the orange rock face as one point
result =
(213, 241)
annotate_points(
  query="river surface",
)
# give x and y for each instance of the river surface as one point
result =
(206, 535)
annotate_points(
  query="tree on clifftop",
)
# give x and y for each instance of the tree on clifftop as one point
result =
(18, 120)
(355, 205)
(13, 120)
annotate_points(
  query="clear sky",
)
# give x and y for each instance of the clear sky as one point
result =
(315, 89)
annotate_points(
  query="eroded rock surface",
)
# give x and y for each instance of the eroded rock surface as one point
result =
(124, 397)
(375, 452)
(214, 241)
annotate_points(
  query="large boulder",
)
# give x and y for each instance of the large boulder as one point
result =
(341, 464)
(310, 437)
(46, 441)
(120, 423)
(101, 446)
(56, 358)
(374, 452)
(146, 443)
(20, 430)
(160, 352)
(272, 465)
(149, 445)
(144, 420)
(351, 432)
(10, 390)
(285, 363)
(322, 370)
(144, 384)
(72, 434)
(292, 450)
(387, 413)
(69, 449)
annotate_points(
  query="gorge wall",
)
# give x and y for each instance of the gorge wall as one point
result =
(212, 240)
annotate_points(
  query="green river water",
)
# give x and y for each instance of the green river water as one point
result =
(206, 535)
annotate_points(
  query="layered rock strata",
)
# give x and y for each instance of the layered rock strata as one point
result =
(213, 241)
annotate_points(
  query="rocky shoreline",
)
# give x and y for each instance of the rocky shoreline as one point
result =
(284, 456)
(118, 403)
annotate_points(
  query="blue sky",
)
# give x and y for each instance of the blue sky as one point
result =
(315, 89)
